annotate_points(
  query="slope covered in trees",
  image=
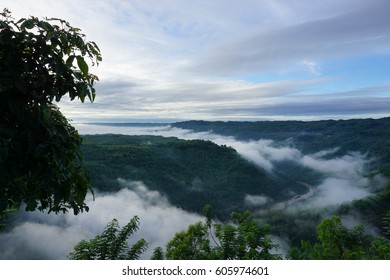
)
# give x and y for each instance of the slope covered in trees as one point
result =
(197, 172)
(367, 136)
(190, 173)
(370, 136)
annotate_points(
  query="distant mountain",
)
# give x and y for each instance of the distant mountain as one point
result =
(371, 136)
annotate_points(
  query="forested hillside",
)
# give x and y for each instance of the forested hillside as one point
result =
(370, 136)
(190, 173)
(193, 173)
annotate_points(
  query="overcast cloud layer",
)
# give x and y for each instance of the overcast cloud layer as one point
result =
(250, 59)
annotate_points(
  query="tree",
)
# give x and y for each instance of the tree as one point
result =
(158, 254)
(40, 160)
(111, 244)
(243, 239)
(379, 249)
(336, 242)
(386, 223)
(190, 244)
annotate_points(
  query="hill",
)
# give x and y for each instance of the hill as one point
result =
(371, 136)
(190, 173)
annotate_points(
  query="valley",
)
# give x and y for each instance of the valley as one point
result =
(279, 170)
(290, 175)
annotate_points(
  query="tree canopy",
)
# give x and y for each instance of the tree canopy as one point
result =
(40, 160)
(337, 242)
(111, 244)
(241, 239)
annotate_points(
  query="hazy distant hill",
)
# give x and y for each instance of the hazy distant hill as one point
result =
(370, 136)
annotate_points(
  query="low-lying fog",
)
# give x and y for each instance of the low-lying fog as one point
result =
(48, 236)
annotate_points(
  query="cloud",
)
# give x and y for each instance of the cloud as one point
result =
(36, 235)
(347, 166)
(227, 59)
(262, 152)
(312, 66)
(256, 200)
(335, 191)
(347, 34)
(316, 106)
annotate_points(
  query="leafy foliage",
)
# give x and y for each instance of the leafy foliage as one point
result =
(295, 225)
(191, 244)
(374, 208)
(158, 254)
(336, 242)
(241, 239)
(386, 223)
(111, 244)
(40, 159)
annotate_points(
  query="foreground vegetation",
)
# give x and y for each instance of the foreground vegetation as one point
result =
(240, 239)
(40, 160)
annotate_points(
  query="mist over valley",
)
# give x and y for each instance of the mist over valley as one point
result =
(289, 174)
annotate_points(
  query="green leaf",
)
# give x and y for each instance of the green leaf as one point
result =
(45, 25)
(60, 68)
(40, 151)
(28, 24)
(82, 65)
(69, 61)
(46, 114)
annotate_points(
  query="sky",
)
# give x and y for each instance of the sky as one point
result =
(230, 60)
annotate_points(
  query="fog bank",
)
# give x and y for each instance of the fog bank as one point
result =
(36, 235)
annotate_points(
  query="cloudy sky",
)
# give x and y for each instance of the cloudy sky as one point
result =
(225, 59)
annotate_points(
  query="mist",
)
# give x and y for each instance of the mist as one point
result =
(37, 235)
(344, 177)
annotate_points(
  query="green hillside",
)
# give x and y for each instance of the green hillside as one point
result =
(371, 136)
(197, 172)
(190, 173)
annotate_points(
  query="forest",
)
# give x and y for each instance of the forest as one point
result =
(192, 173)
(195, 173)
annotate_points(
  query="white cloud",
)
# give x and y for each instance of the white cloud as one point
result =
(188, 59)
(49, 236)
(256, 200)
(312, 66)
(335, 191)
(347, 166)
